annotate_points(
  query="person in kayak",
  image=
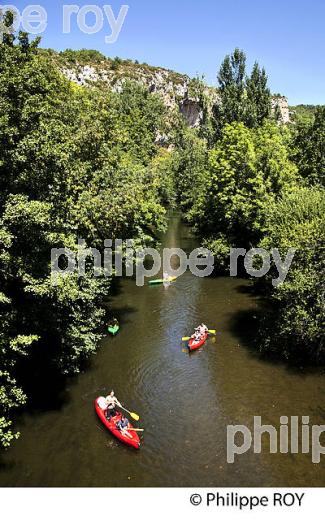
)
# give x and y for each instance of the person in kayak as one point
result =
(166, 277)
(111, 402)
(197, 335)
(200, 331)
(113, 323)
(123, 425)
(203, 329)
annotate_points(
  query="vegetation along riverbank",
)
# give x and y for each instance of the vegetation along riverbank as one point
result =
(104, 156)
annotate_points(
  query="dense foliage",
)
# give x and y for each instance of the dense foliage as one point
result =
(256, 183)
(303, 113)
(74, 163)
(243, 98)
(297, 318)
(309, 148)
(246, 170)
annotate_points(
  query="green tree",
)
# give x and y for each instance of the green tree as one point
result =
(243, 98)
(294, 325)
(191, 166)
(74, 163)
(258, 98)
(309, 147)
(231, 80)
(247, 169)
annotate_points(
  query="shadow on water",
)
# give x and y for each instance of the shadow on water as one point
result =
(42, 382)
(247, 289)
(244, 324)
(46, 387)
(249, 324)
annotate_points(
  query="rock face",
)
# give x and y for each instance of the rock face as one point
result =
(191, 111)
(175, 89)
(171, 86)
(282, 103)
(82, 76)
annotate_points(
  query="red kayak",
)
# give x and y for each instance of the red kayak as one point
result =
(131, 438)
(194, 344)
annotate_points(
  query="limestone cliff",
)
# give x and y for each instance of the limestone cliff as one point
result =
(281, 103)
(89, 67)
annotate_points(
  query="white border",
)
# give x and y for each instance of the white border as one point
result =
(145, 503)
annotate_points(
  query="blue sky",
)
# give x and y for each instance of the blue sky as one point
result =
(286, 37)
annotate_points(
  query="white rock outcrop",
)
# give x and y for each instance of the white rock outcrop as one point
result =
(172, 87)
(282, 103)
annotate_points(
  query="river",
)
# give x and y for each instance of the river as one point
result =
(185, 401)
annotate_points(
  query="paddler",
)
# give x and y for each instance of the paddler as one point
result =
(123, 425)
(203, 329)
(197, 335)
(113, 323)
(111, 403)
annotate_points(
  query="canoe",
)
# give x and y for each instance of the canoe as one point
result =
(132, 441)
(194, 345)
(161, 280)
(113, 329)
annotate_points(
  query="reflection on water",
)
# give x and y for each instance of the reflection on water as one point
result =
(185, 401)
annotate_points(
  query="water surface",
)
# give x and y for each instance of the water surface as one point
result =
(185, 401)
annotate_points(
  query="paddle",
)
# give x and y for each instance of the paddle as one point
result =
(132, 429)
(132, 414)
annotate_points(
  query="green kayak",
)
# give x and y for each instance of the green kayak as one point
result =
(114, 329)
(169, 280)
